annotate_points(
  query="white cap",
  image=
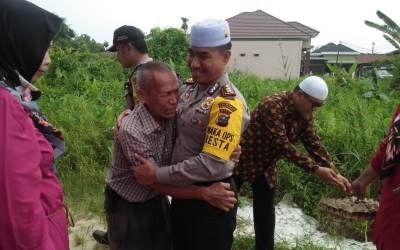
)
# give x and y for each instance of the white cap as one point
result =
(315, 86)
(210, 33)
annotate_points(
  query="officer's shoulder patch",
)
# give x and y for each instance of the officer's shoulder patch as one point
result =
(224, 127)
(227, 91)
(188, 81)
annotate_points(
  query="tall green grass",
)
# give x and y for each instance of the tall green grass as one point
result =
(82, 95)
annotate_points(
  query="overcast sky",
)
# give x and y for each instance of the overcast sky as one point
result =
(340, 20)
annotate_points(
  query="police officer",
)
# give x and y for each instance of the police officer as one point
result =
(130, 44)
(212, 114)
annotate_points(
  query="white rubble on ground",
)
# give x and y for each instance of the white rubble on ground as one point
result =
(292, 226)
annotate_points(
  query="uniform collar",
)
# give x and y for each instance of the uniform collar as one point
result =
(210, 90)
(216, 85)
(223, 80)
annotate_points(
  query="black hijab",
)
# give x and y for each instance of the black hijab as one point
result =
(25, 35)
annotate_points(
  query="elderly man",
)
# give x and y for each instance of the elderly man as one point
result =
(212, 114)
(137, 215)
(132, 52)
(278, 122)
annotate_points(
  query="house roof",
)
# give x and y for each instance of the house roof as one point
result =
(370, 58)
(334, 48)
(260, 25)
(304, 28)
(394, 52)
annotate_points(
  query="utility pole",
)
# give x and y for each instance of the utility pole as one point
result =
(373, 47)
(337, 55)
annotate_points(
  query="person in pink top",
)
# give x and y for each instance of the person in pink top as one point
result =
(32, 214)
(385, 164)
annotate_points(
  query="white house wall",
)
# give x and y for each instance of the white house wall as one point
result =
(270, 60)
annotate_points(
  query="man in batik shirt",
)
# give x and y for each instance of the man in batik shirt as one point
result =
(277, 123)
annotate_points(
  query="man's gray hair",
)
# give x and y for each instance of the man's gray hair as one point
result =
(145, 78)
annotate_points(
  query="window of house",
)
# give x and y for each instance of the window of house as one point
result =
(242, 54)
(256, 54)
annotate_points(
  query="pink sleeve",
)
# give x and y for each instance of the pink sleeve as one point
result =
(23, 223)
(378, 157)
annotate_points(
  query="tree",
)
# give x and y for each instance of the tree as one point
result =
(86, 43)
(390, 28)
(105, 44)
(64, 36)
(67, 38)
(169, 45)
(184, 24)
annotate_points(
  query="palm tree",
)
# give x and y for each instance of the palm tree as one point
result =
(390, 28)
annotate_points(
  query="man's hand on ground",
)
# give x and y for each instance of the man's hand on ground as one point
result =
(145, 173)
(220, 195)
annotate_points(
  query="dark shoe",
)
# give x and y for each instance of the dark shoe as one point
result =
(101, 237)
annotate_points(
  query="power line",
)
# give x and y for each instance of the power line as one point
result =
(362, 49)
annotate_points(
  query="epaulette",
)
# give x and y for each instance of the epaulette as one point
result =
(227, 91)
(188, 81)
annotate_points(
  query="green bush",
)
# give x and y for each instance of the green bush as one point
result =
(170, 45)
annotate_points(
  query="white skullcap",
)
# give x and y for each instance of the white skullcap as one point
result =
(315, 86)
(210, 33)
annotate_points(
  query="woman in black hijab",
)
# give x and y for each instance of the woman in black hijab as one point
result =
(31, 200)
(26, 32)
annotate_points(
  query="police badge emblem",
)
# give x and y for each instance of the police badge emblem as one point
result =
(206, 105)
(225, 110)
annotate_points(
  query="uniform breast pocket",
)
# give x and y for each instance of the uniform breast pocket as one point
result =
(198, 122)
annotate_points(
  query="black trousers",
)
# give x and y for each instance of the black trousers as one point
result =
(263, 212)
(137, 225)
(196, 225)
